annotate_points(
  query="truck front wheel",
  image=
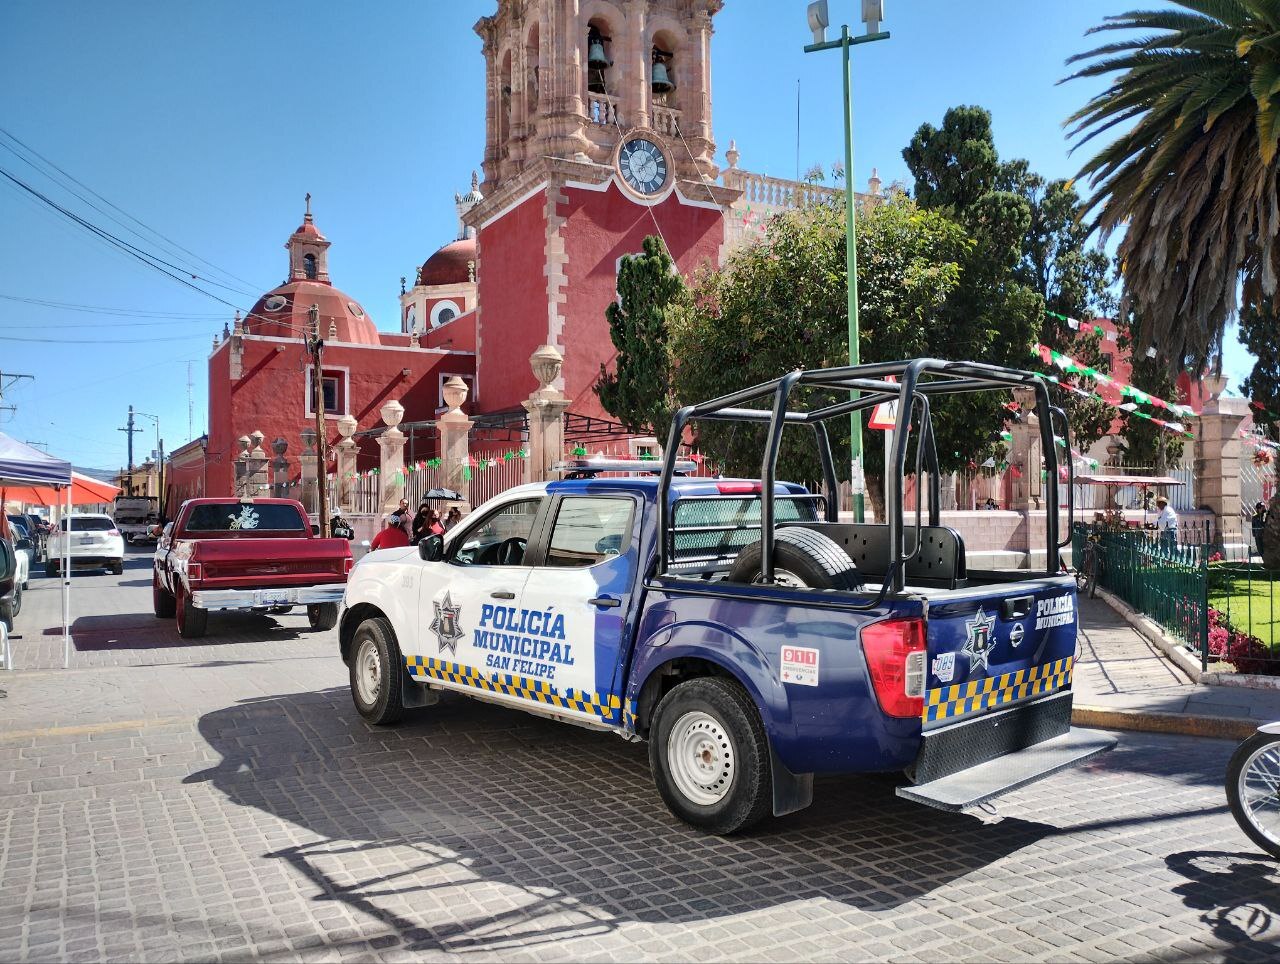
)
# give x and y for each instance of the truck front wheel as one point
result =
(376, 672)
(710, 756)
(191, 621)
(322, 615)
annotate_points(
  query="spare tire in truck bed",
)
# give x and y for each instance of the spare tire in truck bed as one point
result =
(801, 557)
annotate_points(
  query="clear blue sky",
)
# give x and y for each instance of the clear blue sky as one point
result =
(208, 122)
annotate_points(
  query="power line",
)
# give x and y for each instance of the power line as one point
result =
(114, 206)
(99, 341)
(104, 310)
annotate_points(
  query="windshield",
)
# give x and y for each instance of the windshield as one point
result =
(88, 523)
(236, 516)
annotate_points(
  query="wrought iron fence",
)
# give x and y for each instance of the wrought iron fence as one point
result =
(1224, 611)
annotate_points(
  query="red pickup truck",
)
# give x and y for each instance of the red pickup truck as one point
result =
(257, 554)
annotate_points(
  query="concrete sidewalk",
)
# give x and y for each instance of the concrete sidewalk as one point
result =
(1122, 682)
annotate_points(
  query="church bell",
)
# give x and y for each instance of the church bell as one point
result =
(597, 62)
(662, 82)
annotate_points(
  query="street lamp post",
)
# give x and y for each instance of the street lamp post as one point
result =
(872, 14)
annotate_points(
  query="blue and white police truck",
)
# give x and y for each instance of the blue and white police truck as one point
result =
(751, 636)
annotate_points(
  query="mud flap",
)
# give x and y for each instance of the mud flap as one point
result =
(791, 791)
(414, 694)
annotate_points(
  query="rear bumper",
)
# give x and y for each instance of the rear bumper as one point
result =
(267, 598)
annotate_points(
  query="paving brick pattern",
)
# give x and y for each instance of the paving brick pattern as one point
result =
(226, 802)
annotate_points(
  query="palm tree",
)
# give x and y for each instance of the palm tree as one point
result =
(1194, 178)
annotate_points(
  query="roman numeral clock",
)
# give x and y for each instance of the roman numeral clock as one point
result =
(642, 164)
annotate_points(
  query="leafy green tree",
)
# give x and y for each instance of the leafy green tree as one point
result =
(1193, 176)
(1260, 333)
(638, 392)
(780, 304)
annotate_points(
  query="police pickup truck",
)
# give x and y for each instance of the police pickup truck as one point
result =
(737, 625)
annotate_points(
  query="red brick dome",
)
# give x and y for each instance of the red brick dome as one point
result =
(284, 312)
(451, 265)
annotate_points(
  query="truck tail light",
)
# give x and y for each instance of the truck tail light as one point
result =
(195, 572)
(113, 532)
(737, 488)
(895, 652)
(347, 565)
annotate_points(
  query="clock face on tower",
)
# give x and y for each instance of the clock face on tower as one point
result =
(643, 166)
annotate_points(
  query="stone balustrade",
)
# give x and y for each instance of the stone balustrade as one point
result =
(602, 109)
(776, 192)
(666, 120)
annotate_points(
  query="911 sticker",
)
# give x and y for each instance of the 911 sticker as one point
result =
(800, 665)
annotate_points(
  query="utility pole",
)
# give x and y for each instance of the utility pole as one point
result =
(7, 381)
(131, 432)
(190, 403)
(315, 347)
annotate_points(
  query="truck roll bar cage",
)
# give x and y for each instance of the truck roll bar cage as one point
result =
(918, 381)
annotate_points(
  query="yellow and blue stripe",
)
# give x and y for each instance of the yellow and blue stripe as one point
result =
(606, 708)
(951, 702)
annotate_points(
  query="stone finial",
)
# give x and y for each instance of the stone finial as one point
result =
(333, 331)
(279, 447)
(475, 180)
(257, 438)
(347, 426)
(455, 394)
(238, 325)
(308, 435)
(215, 341)
(471, 271)
(732, 155)
(226, 332)
(874, 182)
(414, 340)
(1214, 385)
(392, 413)
(546, 363)
(243, 442)
(402, 282)
(307, 217)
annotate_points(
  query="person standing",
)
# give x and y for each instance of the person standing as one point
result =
(1259, 524)
(1166, 523)
(452, 518)
(392, 537)
(420, 522)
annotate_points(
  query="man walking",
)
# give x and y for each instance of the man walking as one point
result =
(1166, 523)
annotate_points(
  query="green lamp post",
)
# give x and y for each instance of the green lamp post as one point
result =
(819, 20)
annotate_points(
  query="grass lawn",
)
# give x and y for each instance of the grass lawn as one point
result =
(1250, 598)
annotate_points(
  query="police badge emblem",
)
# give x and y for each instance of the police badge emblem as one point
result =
(978, 644)
(445, 625)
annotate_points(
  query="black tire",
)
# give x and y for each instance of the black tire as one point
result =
(374, 652)
(322, 615)
(1235, 775)
(51, 568)
(192, 622)
(162, 601)
(814, 559)
(744, 755)
(117, 568)
(16, 606)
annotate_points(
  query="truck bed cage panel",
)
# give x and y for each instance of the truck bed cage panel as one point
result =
(917, 381)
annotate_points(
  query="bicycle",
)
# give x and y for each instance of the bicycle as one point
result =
(1090, 566)
(1253, 787)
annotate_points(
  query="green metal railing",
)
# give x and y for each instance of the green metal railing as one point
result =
(1219, 610)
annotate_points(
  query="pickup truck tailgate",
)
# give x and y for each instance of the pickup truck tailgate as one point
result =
(272, 560)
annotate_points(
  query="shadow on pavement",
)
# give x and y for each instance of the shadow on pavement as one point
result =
(564, 824)
(1240, 896)
(138, 631)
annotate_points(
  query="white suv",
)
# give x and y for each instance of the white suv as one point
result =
(96, 543)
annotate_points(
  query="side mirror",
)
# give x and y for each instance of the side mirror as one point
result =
(431, 549)
(156, 532)
(315, 529)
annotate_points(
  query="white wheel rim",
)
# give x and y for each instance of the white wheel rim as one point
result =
(1259, 787)
(700, 755)
(368, 672)
(788, 579)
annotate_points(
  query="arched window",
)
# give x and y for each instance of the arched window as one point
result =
(309, 266)
(599, 59)
(444, 312)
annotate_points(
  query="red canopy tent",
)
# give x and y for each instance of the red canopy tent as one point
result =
(84, 491)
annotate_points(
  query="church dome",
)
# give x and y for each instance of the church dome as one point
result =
(284, 312)
(451, 265)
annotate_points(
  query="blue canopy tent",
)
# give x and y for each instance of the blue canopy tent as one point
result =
(21, 466)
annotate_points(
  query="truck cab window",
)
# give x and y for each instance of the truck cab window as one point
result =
(589, 531)
(500, 538)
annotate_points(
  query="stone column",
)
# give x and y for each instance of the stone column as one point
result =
(391, 469)
(1217, 451)
(546, 408)
(309, 496)
(345, 451)
(455, 433)
(1024, 452)
(242, 467)
(258, 462)
(280, 469)
(695, 109)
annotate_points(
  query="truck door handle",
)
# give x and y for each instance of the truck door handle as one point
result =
(605, 602)
(1015, 608)
(502, 594)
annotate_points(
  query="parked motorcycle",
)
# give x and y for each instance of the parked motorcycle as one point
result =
(1253, 787)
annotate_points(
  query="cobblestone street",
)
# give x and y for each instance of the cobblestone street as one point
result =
(162, 800)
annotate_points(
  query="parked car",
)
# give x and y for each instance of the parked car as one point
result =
(38, 527)
(136, 516)
(10, 589)
(96, 543)
(261, 555)
(24, 549)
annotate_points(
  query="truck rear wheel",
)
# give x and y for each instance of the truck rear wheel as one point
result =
(322, 615)
(191, 621)
(377, 671)
(710, 756)
(802, 559)
(162, 601)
